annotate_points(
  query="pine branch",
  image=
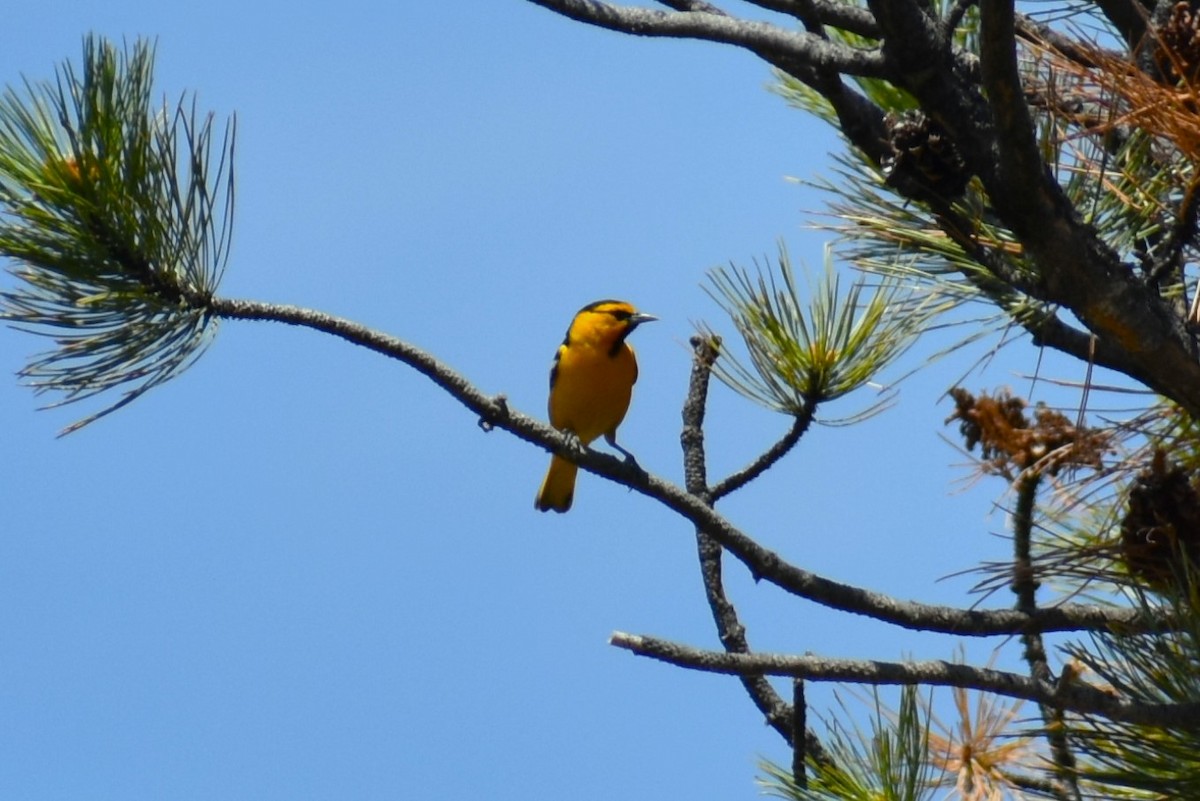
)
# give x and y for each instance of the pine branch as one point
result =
(117, 217)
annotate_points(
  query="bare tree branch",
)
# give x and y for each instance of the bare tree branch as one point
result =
(800, 746)
(1076, 697)
(730, 630)
(854, 19)
(762, 562)
(1025, 586)
(768, 41)
(793, 8)
(693, 5)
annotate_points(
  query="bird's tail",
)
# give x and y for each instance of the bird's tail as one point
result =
(559, 487)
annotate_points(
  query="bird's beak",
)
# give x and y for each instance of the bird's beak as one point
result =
(640, 318)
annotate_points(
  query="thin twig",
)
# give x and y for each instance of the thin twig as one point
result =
(736, 481)
(955, 16)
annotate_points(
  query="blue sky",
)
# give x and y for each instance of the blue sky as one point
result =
(300, 571)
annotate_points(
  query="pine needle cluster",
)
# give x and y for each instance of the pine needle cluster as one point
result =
(115, 212)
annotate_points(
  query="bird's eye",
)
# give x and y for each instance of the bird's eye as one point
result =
(621, 314)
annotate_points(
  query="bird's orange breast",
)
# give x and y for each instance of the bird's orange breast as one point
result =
(592, 390)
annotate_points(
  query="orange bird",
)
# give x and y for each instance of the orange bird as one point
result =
(590, 387)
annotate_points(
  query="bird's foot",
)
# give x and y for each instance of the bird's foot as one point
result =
(575, 445)
(629, 457)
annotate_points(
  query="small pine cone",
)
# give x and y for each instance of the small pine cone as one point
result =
(1162, 524)
(925, 163)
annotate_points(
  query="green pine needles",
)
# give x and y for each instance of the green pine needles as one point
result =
(116, 215)
(887, 764)
(1160, 667)
(807, 350)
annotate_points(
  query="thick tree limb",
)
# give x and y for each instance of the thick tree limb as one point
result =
(759, 37)
(812, 13)
(693, 5)
(849, 18)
